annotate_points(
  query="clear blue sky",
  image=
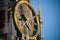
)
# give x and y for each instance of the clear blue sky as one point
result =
(50, 13)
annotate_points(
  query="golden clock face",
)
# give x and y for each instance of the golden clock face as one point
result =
(25, 19)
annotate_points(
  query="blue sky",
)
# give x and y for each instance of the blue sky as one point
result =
(50, 13)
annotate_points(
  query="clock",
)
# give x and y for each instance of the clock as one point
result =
(25, 19)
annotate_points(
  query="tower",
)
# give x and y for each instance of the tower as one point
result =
(5, 17)
(29, 20)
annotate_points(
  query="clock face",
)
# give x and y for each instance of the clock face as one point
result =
(26, 19)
